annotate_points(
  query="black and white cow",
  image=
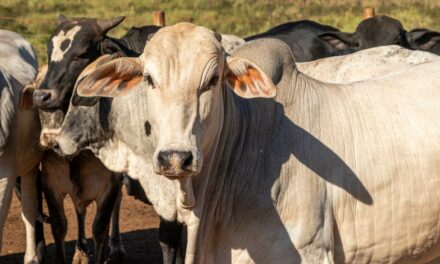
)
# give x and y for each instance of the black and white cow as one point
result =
(372, 32)
(75, 44)
(302, 38)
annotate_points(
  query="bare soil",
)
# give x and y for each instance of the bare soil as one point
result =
(139, 228)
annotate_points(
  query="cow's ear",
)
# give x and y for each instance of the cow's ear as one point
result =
(109, 46)
(106, 25)
(247, 80)
(423, 39)
(98, 62)
(62, 18)
(26, 102)
(111, 79)
(339, 40)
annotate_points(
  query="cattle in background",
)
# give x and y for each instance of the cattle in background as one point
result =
(76, 43)
(19, 129)
(231, 42)
(302, 38)
(364, 64)
(372, 32)
(424, 39)
(327, 173)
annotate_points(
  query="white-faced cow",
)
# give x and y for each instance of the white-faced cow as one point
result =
(19, 129)
(327, 173)
(76, 43)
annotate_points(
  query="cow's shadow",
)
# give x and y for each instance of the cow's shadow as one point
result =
(141, 246)
(275, 141)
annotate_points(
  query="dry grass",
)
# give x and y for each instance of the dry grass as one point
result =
(36, 19)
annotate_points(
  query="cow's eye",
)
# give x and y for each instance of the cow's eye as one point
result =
(212, 83)
(149, 80)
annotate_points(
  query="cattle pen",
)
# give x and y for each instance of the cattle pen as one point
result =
(333, 45)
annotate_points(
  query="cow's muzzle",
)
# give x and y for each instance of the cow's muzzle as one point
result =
(176, 164)
(45, 99)
(65, 146)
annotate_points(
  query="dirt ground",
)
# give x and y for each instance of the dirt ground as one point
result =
(139, 227)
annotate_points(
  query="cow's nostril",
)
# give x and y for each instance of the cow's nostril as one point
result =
(163, 159)
(42, 97)
(56, 147)
(187, 159)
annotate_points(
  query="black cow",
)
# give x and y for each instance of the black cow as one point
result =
(372, 32)
(76, 43)
(303, 39)
(424, 39)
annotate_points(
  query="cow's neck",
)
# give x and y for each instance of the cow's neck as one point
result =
(242, 176)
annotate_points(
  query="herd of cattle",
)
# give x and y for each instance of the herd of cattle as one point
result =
(249, 150)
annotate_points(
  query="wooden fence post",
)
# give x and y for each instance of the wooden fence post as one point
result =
(159, 18)
(369, 12)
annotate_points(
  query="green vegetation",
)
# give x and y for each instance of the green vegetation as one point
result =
(36, 19)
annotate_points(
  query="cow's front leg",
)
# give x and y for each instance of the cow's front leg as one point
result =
(117, 250)
(29, 204)
(7, 181)
(81, 252)
(58, 221)
(39, 226)
(170, 237)
(101, 224)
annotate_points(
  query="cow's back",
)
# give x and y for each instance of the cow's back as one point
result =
(364, 64)
(18, 57)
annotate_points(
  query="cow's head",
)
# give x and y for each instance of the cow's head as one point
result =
(424, 39)
(187, 76)
(75, 43)
(372, 32)
(81, 126)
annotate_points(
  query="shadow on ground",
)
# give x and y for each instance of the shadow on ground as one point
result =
(141, 246)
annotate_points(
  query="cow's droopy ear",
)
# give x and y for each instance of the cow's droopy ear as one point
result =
(339, 40)
(111, 79)
(247, 80)
(95, 64)
(423, 39)
(26, 99)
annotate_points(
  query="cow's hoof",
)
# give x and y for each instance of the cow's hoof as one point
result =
(80, 257)
(117, 253)
(32, 259)
(41, 251)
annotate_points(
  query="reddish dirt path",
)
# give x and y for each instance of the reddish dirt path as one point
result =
(138, 225)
